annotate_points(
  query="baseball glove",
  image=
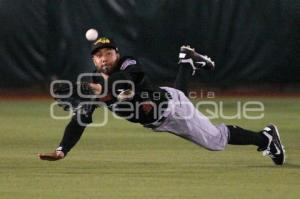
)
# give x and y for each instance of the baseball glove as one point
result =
(72, 102)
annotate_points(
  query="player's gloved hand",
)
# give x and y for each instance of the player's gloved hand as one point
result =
(53, 156)
(61, 89)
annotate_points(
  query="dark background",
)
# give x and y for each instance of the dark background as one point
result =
(253, 42)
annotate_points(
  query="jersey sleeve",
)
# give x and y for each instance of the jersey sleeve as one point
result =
(130, 73)
(75, 129)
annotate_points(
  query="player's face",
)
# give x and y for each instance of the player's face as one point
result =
(105, 60)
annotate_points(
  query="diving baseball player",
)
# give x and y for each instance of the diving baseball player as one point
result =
(125, 89)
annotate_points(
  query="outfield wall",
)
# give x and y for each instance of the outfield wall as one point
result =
(251, 41)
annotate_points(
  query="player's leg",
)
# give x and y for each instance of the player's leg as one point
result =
(187, 122)
(267, 140)
(189, 62)
(182, 78)
(241, 136)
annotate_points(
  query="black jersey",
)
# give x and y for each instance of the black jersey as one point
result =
(144, 107)
(148, 101)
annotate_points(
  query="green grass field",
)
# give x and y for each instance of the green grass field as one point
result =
(124, 160)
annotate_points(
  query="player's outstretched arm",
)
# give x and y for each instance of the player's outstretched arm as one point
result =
(72, 135)
(74, 129)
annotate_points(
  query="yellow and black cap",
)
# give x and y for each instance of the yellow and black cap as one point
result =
(103, 42)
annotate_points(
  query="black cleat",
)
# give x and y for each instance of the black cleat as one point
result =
(196, 60)
(274, 149)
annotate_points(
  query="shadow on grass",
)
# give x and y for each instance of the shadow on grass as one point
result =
(286, 165)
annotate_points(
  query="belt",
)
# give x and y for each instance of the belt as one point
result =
(158, 122)
(161, 119)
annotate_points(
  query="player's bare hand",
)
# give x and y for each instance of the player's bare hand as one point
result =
(53, 156)
(96, 88)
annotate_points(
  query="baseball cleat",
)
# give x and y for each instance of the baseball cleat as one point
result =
(274, 149)
(196, 60)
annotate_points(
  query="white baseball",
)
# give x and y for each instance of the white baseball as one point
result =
(91, 34)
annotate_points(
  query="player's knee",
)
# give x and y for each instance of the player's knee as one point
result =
(212, 146)
(216, 148)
